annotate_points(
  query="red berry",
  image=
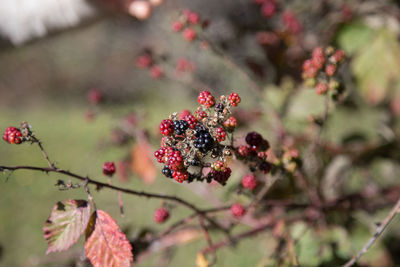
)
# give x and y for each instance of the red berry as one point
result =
(166, 127)
(192, 17)
(180, 176)
(330, 70)
(268, 8)
(307, 64)
(237, 210)
(291, 22)
(311, 71)
(12, 135)
(338, 56)
(230, 124)
(144, 61)
(177, 26)
(234, 99)
(159, 154)
(318, 52)
(191, 120)
(189, 34)
(318, 61)
(321, 88)
(200, 114)
(220, 135)
(156, 72)
(249, 181)
(109, 168)
(183, 114)
(175, 160)
(161, 215)
(95, 96)
(221, 176)
(206, 99)
(243, 151)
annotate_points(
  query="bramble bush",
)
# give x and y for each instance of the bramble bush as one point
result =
(278, 171)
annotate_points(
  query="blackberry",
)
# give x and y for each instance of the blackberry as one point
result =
(254, 139)
(180, 127)
(204, 141)
(167, 172)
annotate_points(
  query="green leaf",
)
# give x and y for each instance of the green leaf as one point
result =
(353, 36)
(67, 222)
(377, 66)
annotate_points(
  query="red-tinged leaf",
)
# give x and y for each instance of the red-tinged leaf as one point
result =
(67, 222)
(107, 246)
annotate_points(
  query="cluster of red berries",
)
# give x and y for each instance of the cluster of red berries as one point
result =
(190, 140)
(254, 153)
(188, 23)
(147, 61)
(320, 71)
(14, 135)
(109, 168)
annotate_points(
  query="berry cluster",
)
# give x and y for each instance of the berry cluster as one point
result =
(254, 153)
(188, 23)
(320, 71)
(192, 142)
(14, 135)
(146, 60)
(109, 168)
(161, 215)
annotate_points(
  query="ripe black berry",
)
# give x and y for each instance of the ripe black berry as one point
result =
(204, 141)
(180, 127)
(265, 167)
(254, 139)
(167, 172)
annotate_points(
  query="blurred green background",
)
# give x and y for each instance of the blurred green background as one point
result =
(46, 81)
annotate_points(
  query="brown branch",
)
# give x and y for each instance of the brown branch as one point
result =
(124, 190)
(377, 233)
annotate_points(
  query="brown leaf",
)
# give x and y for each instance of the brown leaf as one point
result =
(142, 163)
(107, 246)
